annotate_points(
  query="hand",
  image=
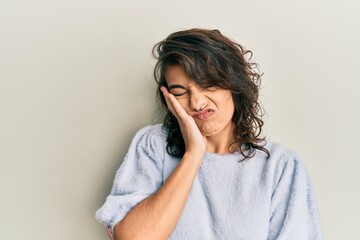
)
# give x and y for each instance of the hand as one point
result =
(195, 142)
(110, 234)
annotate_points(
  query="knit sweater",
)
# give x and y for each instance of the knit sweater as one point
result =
(258, 198)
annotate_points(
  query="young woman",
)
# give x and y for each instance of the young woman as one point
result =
(206, 172)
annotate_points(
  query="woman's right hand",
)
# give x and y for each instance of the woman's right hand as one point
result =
(195, 142)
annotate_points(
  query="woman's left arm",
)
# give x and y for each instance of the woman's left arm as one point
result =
(110, 234)
(294, 213)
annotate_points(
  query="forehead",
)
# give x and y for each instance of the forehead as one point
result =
(177, 75)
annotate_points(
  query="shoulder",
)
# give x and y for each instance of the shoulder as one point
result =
(281, 153)
(151, 132)
(147, 146)
(282, 158)
(284, 161)
(151, 138)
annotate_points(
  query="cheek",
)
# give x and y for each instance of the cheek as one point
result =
(228, 106)
(231, 105)
(231, 109)
(183, 102)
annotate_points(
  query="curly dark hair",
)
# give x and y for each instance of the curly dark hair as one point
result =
(212, 59)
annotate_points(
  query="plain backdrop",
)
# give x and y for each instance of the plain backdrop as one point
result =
(76, 84)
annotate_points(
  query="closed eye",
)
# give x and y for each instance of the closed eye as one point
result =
(179, 94)
(177, 90)
(209, 88)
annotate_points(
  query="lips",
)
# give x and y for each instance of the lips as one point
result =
(203, 114)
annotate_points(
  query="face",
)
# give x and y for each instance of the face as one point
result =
(212, 108)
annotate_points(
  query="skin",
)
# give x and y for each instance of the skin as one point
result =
(165, 206)
(218, 128)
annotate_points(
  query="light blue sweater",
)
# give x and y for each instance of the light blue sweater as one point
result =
(258, 198)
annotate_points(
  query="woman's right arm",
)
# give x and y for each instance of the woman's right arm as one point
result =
(156, 216)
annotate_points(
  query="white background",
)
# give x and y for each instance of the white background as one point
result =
(76, 84)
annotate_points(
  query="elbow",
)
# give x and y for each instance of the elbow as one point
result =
(122, 232)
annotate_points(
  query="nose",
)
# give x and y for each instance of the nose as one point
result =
(197, 100)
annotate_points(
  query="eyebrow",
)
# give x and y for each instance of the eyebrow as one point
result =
(176, 86)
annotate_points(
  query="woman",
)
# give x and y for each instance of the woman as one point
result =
(206, 173)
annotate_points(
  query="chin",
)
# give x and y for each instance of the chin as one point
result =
(207, 134)
(208, 131)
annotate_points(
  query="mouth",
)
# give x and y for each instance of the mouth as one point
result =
(203, 114)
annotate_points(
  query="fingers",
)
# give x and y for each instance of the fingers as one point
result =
(168, 101)
(110, 234)
(173, 105)
(195, 142)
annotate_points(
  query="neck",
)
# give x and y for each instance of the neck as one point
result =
(220, 142)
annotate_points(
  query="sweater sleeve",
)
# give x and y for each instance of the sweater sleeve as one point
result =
(139, 176)
(294, 213)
